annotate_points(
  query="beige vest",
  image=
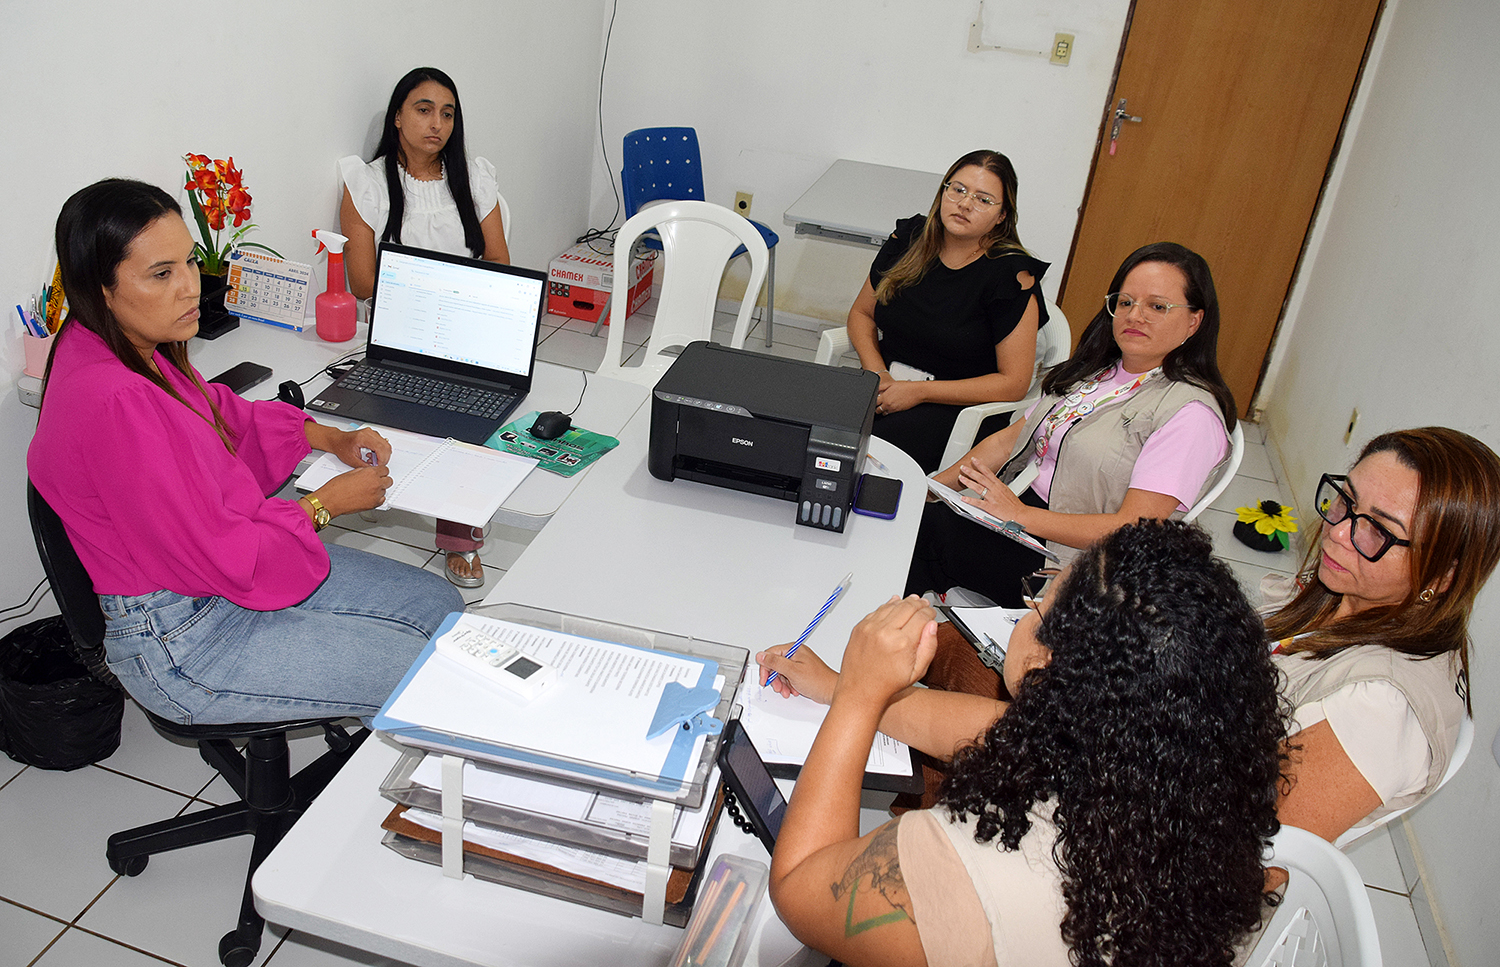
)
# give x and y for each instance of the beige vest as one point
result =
(1096, 453)
(1430, 687)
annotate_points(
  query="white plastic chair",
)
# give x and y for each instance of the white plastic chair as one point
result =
(504, 216)
(1053, 343)
(1325, 918)
(697, 240)
(1231, 467)
(1460, 753)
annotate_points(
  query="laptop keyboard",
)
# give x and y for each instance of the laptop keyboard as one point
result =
(436, 393)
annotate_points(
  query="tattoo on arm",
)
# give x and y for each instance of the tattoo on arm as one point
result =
(880, 864)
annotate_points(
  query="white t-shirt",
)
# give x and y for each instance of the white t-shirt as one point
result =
(1379, 732)
(431, 219)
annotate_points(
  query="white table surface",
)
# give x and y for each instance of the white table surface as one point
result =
(607, 404)
(678, 556)
(855, 201)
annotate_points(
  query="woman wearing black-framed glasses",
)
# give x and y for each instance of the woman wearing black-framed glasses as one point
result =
(1375, 644)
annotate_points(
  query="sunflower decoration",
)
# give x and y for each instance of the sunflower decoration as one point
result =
(1265, 526)
(217, 195)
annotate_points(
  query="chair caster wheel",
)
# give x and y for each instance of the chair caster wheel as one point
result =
(129, 866)
(238, 950)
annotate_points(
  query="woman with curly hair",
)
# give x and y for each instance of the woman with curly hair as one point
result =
(1375, 647)
(949, 313)
(1116, 813)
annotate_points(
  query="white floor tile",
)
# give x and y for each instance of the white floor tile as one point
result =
(9, 769)
(56, 824)
(1375, 858)
(783, 350)
(1248, 492)
(181, 905)
(147, 754)
(392, 526)
(1254, 432)
(782, 335)
(1256, 463)
(1400, 940)
(567, 347)
(78, 948)
(25, 933)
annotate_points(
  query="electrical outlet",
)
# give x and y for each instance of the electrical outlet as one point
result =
(1062, 48)
(1349, 430)
(742, 201)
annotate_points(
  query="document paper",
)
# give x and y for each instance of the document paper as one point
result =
(598, 711)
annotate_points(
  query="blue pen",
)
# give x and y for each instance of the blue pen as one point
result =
(26, 322)
(843, 586)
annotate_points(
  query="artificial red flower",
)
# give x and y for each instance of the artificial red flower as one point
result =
(238, 201)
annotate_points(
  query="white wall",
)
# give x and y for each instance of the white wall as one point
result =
(780, 89)
(1396, 317)
(94, 88)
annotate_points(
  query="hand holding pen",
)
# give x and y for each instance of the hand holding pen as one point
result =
(843, 586)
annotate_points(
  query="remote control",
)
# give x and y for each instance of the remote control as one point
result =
(496, 662)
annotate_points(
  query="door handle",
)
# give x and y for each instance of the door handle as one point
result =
(1121, 116)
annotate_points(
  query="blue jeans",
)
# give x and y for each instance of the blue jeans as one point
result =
(203, 661)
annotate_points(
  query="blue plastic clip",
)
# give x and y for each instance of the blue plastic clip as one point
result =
(685, 708)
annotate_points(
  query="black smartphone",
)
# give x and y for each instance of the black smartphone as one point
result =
(750, 781)
(877, 496)
(242, 377)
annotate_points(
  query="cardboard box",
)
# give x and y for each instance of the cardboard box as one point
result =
(580, 280)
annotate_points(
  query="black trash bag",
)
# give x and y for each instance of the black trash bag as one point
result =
(53, 713)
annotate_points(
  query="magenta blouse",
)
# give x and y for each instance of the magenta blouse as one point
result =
(150, 496)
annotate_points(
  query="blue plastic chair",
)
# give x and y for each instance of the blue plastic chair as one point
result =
(664, 164)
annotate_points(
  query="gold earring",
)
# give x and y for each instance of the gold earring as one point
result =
(1427, 595)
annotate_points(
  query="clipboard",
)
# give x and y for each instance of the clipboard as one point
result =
(561, 734)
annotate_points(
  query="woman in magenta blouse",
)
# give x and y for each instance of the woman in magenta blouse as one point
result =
(221, 603)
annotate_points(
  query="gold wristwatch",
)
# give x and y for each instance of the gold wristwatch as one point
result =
(320, 515)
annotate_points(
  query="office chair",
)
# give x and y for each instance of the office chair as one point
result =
(664, 163)
(1325, 918)
(271, 798)
(698, 238)
(1053, 343)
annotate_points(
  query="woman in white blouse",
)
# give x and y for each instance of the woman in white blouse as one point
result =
(422, 190)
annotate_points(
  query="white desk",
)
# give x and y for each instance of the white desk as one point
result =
(858, 202)
(626, 547)
(607, 404)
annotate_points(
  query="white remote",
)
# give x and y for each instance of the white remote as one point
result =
(496, 662)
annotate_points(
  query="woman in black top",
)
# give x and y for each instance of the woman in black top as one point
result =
(953, 295)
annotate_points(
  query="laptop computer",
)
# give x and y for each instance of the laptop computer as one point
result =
(452, 346)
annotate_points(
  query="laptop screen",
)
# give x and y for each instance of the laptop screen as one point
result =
(446, 307)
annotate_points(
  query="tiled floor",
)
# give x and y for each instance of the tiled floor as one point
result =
(61, 906)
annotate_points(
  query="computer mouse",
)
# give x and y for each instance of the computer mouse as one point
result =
(290, 392)
(551, 425)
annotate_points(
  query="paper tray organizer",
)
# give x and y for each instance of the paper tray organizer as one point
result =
(400, 788)
(685, 788)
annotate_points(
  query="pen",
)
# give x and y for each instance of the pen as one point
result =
(878, 465)
(816, 618)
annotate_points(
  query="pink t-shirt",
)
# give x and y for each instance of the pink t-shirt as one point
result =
(151, 498)
(1176, 459)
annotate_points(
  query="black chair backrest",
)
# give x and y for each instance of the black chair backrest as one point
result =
(71, 584)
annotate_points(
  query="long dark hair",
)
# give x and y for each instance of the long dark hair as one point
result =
(95, 230)
(1156, 728)
(925, 248)
(455, 161)
(1455, 544)
(1196, 361)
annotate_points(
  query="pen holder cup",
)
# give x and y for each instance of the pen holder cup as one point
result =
(37, 349)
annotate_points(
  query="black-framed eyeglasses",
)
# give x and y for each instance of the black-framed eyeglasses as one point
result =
(1369, 537)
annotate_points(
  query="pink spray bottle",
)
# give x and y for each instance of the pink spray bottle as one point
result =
(335, 307)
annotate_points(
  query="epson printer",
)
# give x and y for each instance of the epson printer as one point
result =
(764, 425)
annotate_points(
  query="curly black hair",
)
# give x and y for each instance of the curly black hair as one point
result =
(1156, 728)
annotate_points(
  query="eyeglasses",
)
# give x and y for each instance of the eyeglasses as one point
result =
(1368, 535)
(1120, 304)
(961, 194)
(1034, 587)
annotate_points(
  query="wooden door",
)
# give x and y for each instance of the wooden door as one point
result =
(1241, 106)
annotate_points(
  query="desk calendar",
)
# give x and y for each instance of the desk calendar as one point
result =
(268, 289)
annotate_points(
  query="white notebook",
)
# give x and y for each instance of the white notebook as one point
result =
(439, 478)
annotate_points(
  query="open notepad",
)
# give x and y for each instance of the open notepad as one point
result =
(439, 478)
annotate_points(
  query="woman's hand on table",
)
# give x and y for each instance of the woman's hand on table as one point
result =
(361, 489)
(888, 650)
(802, 674)
(992, 496)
